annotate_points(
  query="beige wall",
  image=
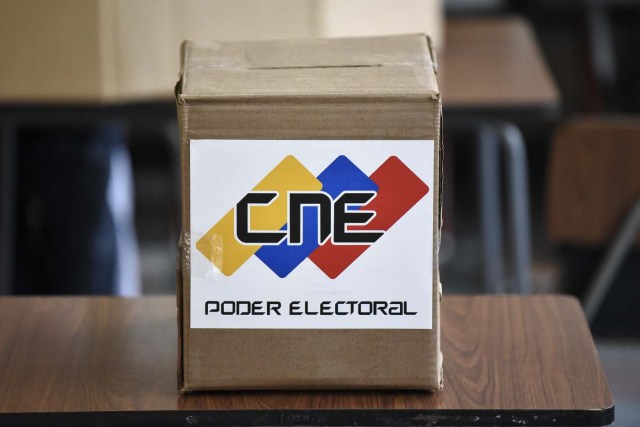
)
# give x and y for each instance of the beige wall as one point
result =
(344, 18)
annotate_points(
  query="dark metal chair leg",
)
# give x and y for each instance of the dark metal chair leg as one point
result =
(620, 246)
(8, 154)
(490, 208)
(518, 194)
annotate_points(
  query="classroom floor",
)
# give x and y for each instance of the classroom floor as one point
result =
(621, 362)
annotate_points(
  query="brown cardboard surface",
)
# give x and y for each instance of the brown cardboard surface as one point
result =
(368, 88)
(95, 51)
(121, 50)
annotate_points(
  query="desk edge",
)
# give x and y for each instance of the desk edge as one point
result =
(317, 417)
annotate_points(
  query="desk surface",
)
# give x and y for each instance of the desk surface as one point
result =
(112, 361)
(491, 63)
(494, 63)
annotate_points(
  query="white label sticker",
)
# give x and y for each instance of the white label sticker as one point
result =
(311, 234)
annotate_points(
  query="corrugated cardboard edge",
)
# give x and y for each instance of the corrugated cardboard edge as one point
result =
(436, 260)
(179, 311)
(180, 258)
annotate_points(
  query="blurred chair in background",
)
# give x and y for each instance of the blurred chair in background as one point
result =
(594, 195)
(494, 79)
(74, 232)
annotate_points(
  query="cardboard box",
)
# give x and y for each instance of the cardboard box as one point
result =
(121, 50)
(311, 188)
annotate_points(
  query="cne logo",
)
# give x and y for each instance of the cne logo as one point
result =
(333, 218)
(292, 215)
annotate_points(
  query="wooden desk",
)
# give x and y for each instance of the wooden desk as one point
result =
(110, 361)
(494, 64)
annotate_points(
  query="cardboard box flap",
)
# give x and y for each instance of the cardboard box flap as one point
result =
(388, 65)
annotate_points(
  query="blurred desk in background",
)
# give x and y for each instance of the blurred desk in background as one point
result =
(493, 76)
(104, 361)
(495, 66)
